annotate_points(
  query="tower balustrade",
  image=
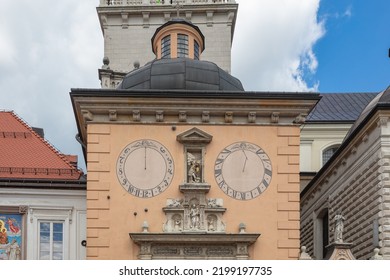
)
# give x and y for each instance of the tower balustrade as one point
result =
(104, 3)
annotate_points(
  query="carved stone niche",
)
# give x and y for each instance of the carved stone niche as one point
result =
(194, 141)
(195, 212)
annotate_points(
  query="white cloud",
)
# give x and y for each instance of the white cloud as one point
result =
(50, 47)
(348, 12)
(7, 50)
(338, 14)
(273, 44)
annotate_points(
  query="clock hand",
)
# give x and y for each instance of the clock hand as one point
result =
(145, 158)
(246, 158)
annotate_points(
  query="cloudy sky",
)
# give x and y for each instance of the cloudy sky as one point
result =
(48, 47)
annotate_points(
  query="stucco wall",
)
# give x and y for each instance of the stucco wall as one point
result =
(274, 214)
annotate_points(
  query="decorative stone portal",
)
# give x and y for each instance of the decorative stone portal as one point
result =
(193, 246)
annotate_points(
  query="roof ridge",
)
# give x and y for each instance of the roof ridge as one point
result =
(46, 142)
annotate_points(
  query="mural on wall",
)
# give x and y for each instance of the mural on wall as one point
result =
(10, 236)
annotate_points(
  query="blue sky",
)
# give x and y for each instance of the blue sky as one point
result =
(279, 45)
(353, 53)
(341, 45)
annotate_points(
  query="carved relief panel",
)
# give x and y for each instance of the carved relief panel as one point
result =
(195, 212)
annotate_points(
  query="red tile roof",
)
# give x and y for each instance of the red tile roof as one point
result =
(24, 154)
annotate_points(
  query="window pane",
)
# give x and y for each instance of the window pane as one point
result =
(196, 50)
(57, 227)
(57, 256)
(44, 237)
(57, 246)
(44, 227)
(45, 246)
(57, 236)
(51, 240)
(44, 255)
(328, 153)
(182, 45)
(166, 47)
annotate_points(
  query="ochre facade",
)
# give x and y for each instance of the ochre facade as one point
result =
(113, 213)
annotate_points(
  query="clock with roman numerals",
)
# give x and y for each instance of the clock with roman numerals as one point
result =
(243, 170)
(145, 168)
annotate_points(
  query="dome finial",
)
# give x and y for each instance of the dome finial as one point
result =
(178, 6)
(106, 62)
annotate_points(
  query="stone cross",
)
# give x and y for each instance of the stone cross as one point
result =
(178, 6)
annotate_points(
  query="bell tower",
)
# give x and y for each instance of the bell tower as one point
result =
(128, 25)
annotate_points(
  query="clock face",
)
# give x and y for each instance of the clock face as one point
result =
(145, 168)
(243, 170)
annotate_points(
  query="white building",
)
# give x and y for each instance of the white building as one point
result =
(42, 196)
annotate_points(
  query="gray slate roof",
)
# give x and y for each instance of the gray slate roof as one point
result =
(180, 74)
(381, 99)
(340, 107)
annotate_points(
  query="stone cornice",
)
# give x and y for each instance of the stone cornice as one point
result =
(189, 107)
(194, 245)
(198, 7)
(195, 238)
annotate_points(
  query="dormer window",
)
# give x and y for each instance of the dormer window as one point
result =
(166, 47)
(182, 45)
(196, 50)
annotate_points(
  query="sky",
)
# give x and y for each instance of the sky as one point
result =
(279, 45)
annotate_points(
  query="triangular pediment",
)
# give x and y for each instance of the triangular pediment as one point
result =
(194, 136)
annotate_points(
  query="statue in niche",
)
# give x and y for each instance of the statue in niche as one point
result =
(339, 220)
(211, 223)
(178, 222)
(194, 168)
(194, 216)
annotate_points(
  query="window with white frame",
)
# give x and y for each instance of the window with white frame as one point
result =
(51, 232)
(51, 240)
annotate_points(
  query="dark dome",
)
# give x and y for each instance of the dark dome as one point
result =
(180, 74)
